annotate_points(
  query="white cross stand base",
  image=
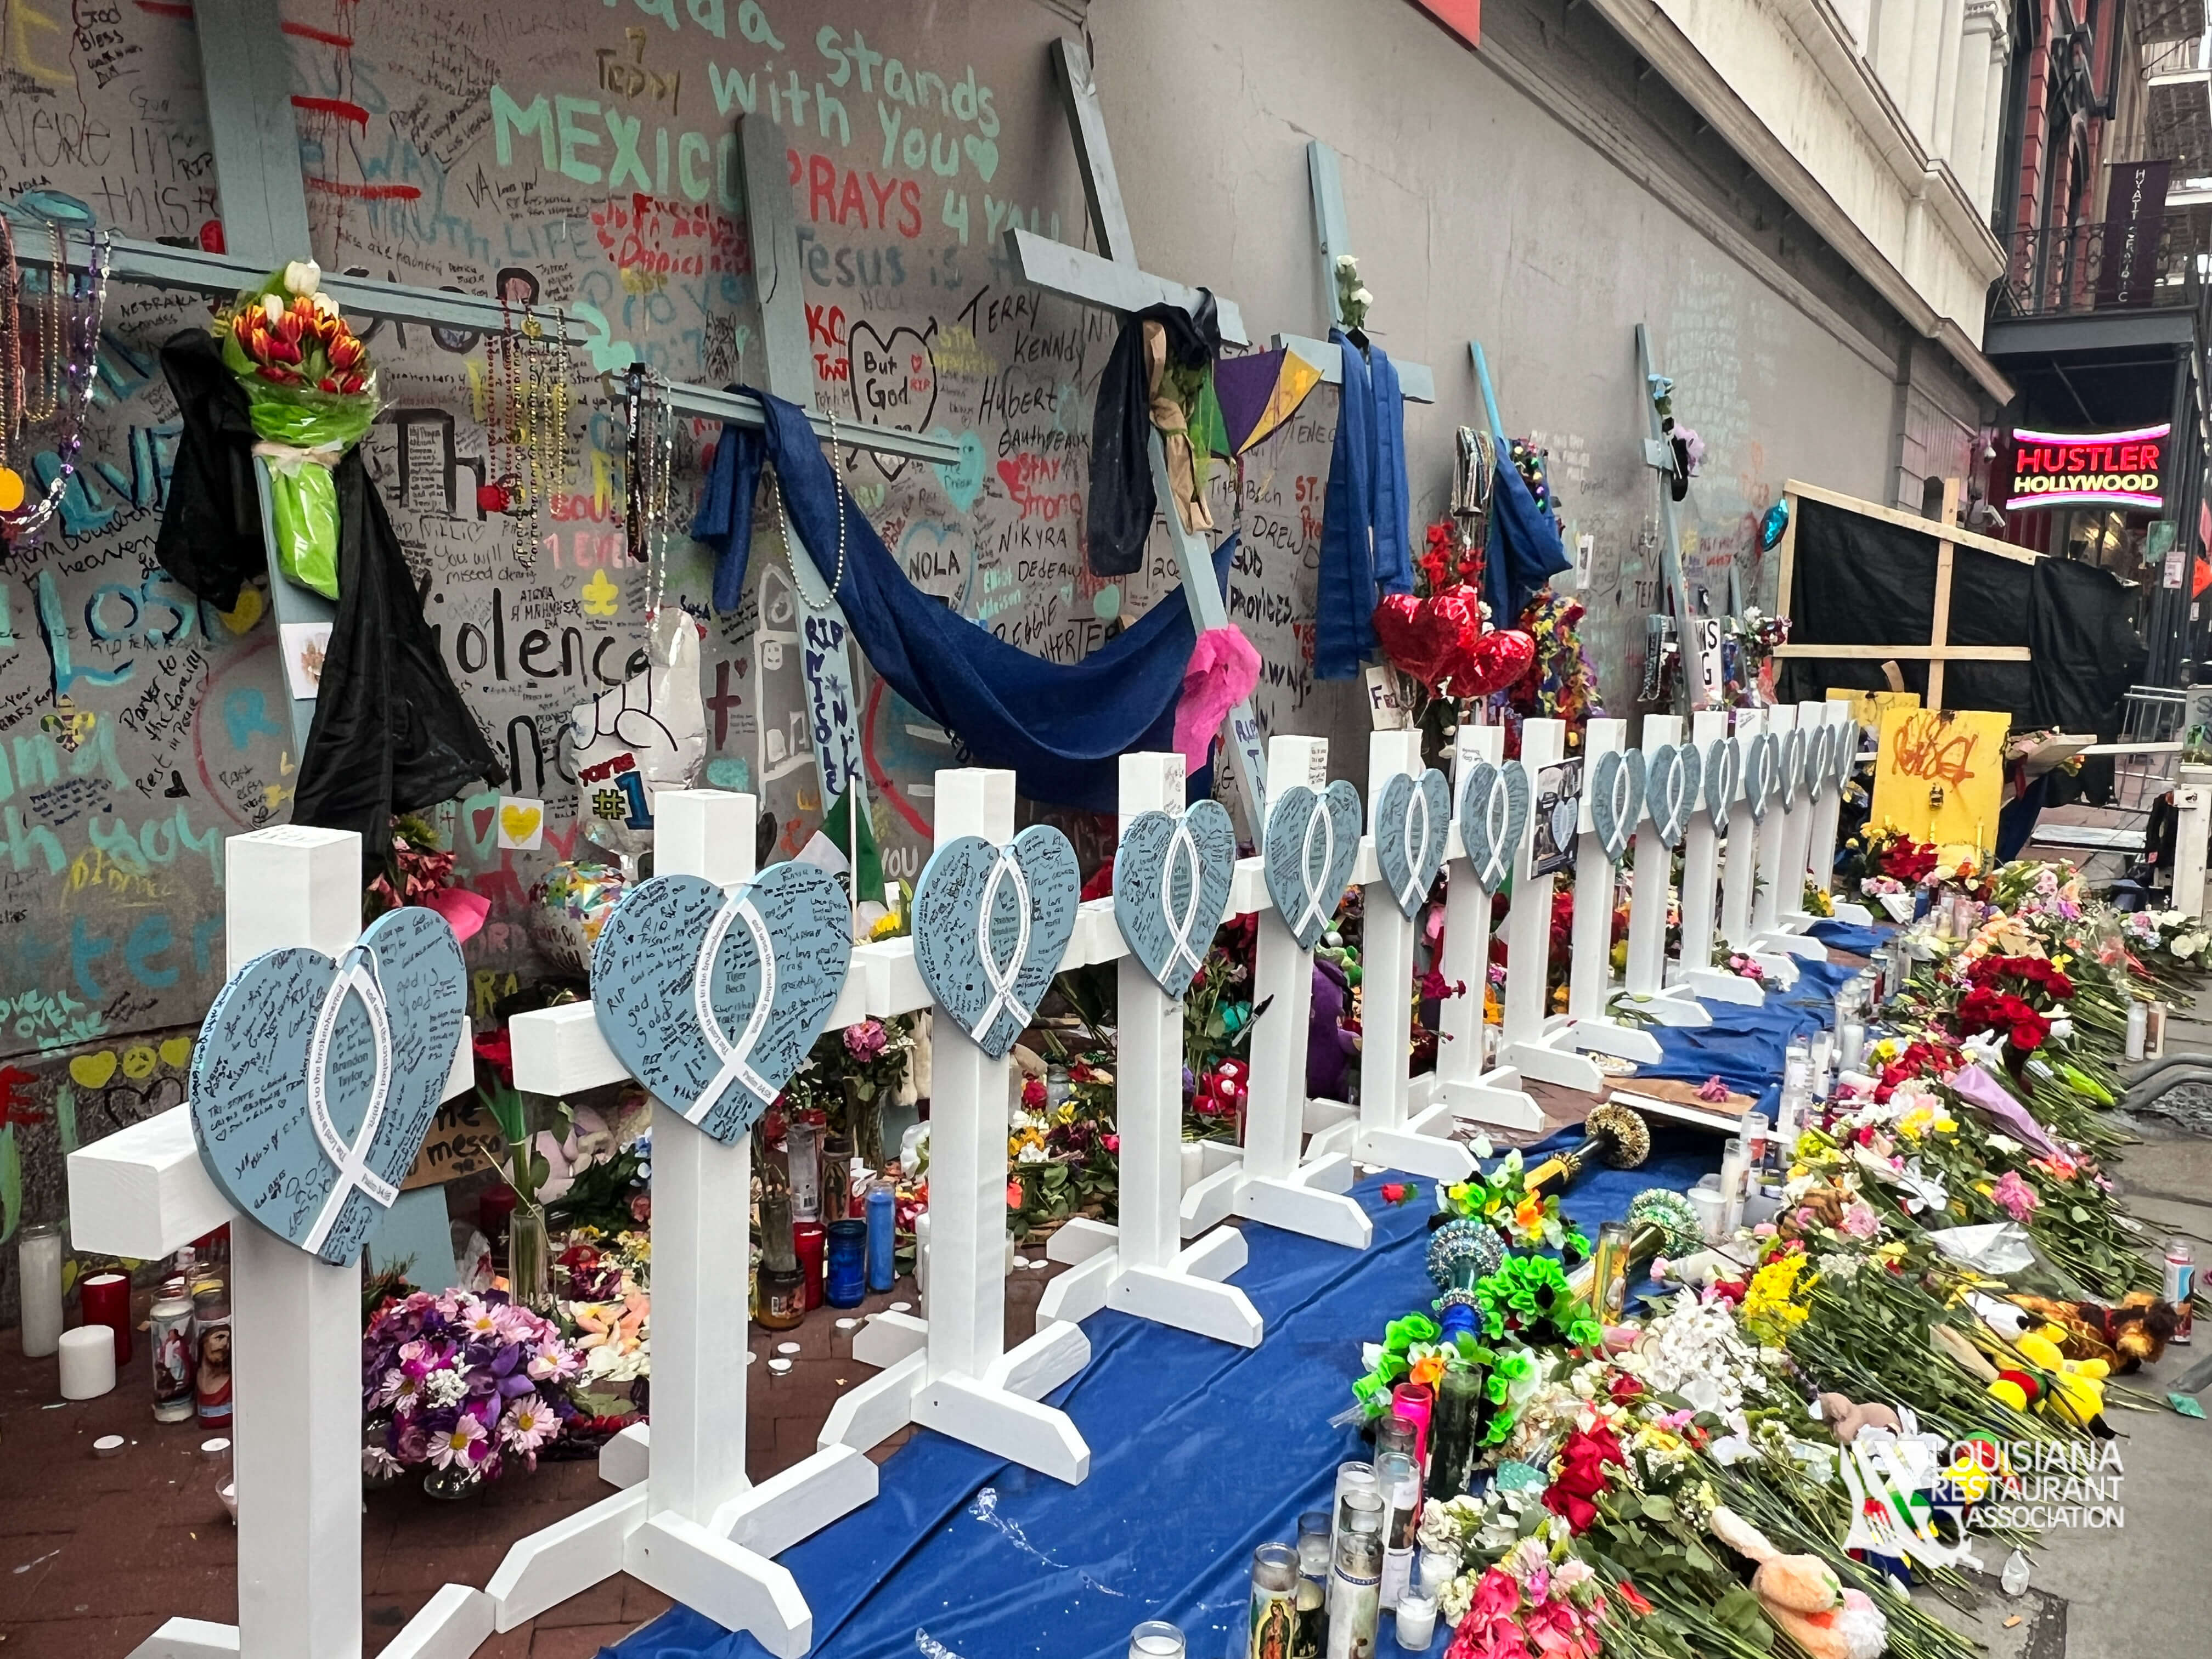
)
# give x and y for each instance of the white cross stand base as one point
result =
(953, 1372)
(687, 1522)
(1141, 1267)
(142, 1193)
(1275, 1177)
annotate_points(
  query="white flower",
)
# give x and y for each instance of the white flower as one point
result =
(445, 1388)
(1362, 298)
(272, 308)
(2188, 945)
(377, 1461)
(324, 306)
(1347, 264)
(302, 277)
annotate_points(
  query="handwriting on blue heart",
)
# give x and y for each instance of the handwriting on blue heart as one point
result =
(990, 925)
(1493, 820)
(714, 999)
(1672, 774)
(1616, 798)
(1413, 820)
(1724, 779)
(963, 481)
(1762, 759)
(1171, 878)
(1312, 843)
(313, 1082)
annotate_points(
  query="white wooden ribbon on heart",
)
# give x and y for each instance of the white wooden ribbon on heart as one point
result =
(736, 1057)
(1001, 981)
(1184, 947)
(1316, 909)
(357, 977)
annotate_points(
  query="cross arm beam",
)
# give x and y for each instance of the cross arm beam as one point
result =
(1089, 280)
(1416, 382)
(156, 265)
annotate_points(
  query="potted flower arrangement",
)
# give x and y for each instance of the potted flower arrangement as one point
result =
(461, 1386)
(850, 1075)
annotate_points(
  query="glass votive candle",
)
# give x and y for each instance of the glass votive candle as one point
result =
(810, 1242)
(846, 1276)
(1417, 1623)
(1156, 1639)
(106, 1299)
(1437, 1569)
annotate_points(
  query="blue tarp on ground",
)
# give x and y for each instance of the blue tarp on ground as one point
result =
(1200, 1452)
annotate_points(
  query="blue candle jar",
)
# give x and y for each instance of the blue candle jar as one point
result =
(883, 1226)
(845, 1276)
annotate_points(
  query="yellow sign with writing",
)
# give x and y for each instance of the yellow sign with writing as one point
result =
(1940, 776)
(1869, 707)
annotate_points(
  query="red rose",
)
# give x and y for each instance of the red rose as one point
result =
(1580, 1475)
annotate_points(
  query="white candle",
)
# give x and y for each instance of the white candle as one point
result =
(38, 1274)
(88, 1362)
(1417, 1623)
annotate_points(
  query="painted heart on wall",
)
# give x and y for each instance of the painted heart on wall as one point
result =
(1413, 820)
(990, 927)
(1312, 843)
(893, 381)
(1616, 798)
(714, 999)
(1724, 779)
(314, 1082)
(1493, 820)
(1171, 878)
(1672, 775)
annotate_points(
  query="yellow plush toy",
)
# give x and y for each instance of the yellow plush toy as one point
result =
(2073, 1387)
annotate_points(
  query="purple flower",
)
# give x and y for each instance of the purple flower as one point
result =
(865, 1040)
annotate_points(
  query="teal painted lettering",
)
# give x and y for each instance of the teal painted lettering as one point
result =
(566, 112)
(509, 118)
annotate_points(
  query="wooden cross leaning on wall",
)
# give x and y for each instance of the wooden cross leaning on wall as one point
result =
(1948, 538)
(264, 203)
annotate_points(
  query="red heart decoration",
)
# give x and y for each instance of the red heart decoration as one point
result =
(1406, 627)
(1501, 658)
(1456, 624)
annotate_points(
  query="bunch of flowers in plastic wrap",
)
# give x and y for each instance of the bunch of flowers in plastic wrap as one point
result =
(1565, 684)
(462, 1383)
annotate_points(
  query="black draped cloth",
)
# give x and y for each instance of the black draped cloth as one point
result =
(391, 733)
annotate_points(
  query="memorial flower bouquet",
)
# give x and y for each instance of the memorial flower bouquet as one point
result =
(462, 1386)
(604, 1307)
(1501, 1199)
(311, 389)
(1066, 1157)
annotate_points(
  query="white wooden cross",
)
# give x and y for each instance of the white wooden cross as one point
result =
(1476, 1090)
(1747, 837)
(953, 1371)
(1392, 1133)
(1828, 811)
(1333, 233)
(1115, 283)
(1692, 968)
(1141, 1267)
(1275, 1177)
(1591, 1022)
(295, 1322)
(1667, 1004)
(688, 1520)
(1777, 911)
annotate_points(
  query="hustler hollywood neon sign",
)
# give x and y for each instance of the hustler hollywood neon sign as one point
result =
(2073, 469)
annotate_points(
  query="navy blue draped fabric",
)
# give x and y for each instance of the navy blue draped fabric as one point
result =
(1059, 725)
(1365, 534)
(1523, 551)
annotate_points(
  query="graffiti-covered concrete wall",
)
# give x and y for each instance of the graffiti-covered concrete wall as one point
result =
(581, 153)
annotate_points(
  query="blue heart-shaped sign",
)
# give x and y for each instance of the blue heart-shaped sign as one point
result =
(1846, 755)
(1762, 759)
(1171, 881)
(1616, 798)
(1313, 840)
(1819, 760)
(990, 925)
(313, 1082)
(1493, 820)
(1672, 775)
(714, 999)
(1724, 779)
(1413, 820)
(1790, 775)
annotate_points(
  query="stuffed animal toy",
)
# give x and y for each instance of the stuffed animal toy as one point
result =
(1844, 1419)
(2075, 1388)
(2127, 1336)
(1803, 1598)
